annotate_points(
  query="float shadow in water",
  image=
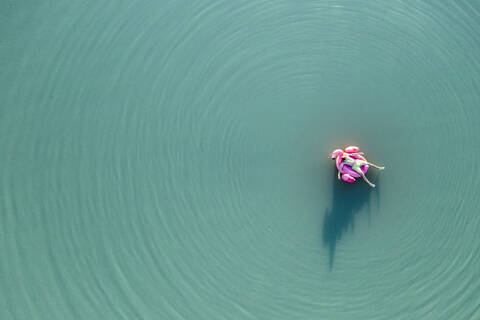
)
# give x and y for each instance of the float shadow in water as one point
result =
(347, 200)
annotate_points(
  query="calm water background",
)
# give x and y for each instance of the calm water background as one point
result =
(169, 159)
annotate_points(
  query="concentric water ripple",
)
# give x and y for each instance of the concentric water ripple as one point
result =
(170, 160)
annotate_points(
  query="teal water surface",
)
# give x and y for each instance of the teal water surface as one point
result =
(170, 159)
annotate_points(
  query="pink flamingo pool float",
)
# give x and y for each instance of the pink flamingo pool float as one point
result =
(348, 174)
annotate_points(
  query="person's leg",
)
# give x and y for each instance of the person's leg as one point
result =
(366, 180)
(375, 166)
(356, 167)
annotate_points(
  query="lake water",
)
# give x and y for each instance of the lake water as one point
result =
(170, 159)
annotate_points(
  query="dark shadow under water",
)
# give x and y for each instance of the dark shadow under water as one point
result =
(347, 200)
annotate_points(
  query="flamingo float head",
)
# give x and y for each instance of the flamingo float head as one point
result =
(337, 153)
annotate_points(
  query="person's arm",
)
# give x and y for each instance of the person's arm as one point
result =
(340, 170)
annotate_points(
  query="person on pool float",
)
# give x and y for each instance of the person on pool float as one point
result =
(356, 164)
